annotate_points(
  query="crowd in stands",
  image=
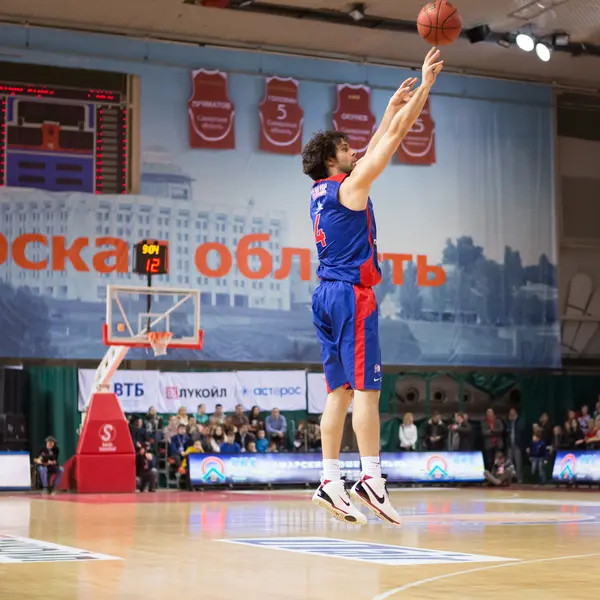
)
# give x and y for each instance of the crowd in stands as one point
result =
(506, 443)
(218, 432)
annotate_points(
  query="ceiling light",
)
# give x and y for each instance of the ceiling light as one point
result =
(525, 42)
(542, 51)
(357, 12)
(504, 42)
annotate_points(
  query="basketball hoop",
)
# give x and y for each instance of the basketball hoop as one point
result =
(159, 340)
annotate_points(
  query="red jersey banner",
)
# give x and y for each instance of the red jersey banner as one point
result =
(418, 147)
(211, 112)
(281, 117)
(353, 115)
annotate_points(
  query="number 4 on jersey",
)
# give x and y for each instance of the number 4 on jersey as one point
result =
(319, 233)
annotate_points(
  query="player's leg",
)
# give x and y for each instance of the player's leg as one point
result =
(331, 493)
(363, 367)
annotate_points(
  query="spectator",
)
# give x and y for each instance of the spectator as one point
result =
(493, 440)
(210, 444)
(313, 434)
(577, 436)
(516, 442)
(251, 448)
(261, 441)
(171, 429)
(182, 416)
(228, 426)
(408, 434)
(592, 438)
(435, 433)
(195, 448)
(201, 416)
(460, 435)
(537, 455)
(230, 446)
(179, 444)
(239, 418)
(219, 415)
(301, 437)
(154, 424)
(583, 419)
(219, 435)
(197, 435)
(243, 436)
(502, 472)
(192, 426)
(597, 411)
(546, 433)
(276, 427)
(571, 414)
(48, 467)
(146, 473)
(557, 441)
(272, 447)
(139, 433)
(256, 422)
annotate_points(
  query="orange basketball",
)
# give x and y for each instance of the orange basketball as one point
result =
(439, 23)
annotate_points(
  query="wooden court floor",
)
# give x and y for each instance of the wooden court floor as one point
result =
(468, 543)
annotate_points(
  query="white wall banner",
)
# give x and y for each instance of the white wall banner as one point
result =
(285, 390)
(317, 393)
(192, 389)
(136, 390)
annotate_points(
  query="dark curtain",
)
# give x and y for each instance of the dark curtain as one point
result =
(52, 408)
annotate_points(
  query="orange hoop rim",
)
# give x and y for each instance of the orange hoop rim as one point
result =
(157, 336)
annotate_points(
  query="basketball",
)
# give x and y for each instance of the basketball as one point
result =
(120, 327)
(439, 23)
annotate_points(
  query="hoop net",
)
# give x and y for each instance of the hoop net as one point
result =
(159, 340)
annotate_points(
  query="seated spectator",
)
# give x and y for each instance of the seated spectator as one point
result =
(276, 427)
(537, 455)
(139, 434)
(219, 415)
(255, 422)
(592, 438)
(146, 473)
(201, 416)
(272, 447)
(583, 419)
(460, 435)
(154, 424)
(435, 433)
(191, 426)
(210, 445)
(251, 449)
(230, 446)
(170, 430)
(313, 434)
(262, 443)
(408, 434)
(179, 444)
(219, 435)
(198, 433)
(182, 416)
(300, 437)
(243, 437)
(196, 448)
(503, 471)
(48, 467)
(239, 418)
(576, 436)
(228, 426)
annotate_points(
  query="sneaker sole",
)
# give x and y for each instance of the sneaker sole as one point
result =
(349, 519)
(374, 509)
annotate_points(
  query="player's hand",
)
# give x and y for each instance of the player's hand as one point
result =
(431, 66)
(403, 94)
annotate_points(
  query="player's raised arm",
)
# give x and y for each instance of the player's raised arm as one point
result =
(400, 98)
(354, 193)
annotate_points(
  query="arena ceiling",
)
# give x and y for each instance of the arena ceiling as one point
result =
(324, 28)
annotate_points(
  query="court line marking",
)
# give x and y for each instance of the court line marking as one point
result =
(420, 582)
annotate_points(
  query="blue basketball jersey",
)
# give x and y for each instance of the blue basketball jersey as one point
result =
(346, 239)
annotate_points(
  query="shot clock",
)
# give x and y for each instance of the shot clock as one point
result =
(151, 258)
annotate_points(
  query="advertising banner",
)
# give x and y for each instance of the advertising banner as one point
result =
(192, 389)
(581, 466)
(136, 390)
(303, 468)
(281, 117)
(285, 390)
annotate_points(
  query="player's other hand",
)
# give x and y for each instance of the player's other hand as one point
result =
(403, 94)
(432, 66)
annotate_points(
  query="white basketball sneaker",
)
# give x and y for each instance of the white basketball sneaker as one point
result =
(333, 497)
(373, 493)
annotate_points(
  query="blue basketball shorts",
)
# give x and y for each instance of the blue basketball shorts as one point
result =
(347, 322)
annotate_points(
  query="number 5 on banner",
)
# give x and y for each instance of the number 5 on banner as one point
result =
(281, 112)
(319, 233)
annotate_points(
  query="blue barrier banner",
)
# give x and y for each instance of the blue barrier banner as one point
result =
(577, 466)
(302, 468)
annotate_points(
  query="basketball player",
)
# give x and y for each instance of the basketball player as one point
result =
(344, 306)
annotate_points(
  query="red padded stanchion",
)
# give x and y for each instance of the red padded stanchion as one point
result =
(105, 457)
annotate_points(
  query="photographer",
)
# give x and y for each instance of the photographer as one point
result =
(146, 473)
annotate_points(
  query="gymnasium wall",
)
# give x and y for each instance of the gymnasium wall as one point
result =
(468, 240)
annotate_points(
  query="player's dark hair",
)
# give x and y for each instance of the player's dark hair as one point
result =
(318, 150)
